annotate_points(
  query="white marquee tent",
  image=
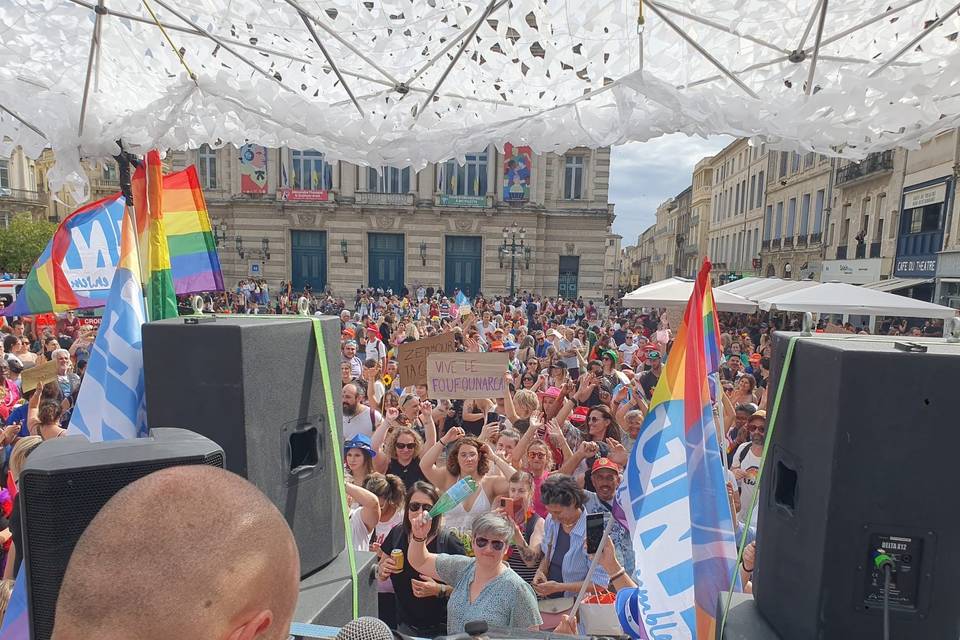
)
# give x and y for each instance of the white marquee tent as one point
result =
(407, 82)
(840, 298)
(762, 288)
(675, 293)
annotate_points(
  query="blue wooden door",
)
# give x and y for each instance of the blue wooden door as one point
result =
(385, 260)
(569, 277)
(463, 263)
(308, 251)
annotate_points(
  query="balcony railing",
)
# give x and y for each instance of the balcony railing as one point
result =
(874, 249)
(105, 184)
(23, 195)
(872, 164)
(815, 238)
(842, 252)
(787, 242)
(775, 243)
(860, 251)
(802, 241)
(384, 199)
(765, 245)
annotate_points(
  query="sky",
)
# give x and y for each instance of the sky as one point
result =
(644, 174)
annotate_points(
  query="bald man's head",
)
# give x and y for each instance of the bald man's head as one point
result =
(186, 552)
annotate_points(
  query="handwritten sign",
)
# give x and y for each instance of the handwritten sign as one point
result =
(466, 375)
(412, 357)
(40, 374)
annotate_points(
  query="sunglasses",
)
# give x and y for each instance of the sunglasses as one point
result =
(414, 507)
(536, 455)
(407, 445)
(596, 419)
(481, 543)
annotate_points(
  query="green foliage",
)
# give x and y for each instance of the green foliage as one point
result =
(23, 241)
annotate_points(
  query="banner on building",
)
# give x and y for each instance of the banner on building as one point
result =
(516, 172)
(253, 169)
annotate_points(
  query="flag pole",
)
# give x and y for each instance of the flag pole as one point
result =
(125, 160)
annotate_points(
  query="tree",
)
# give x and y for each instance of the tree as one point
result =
(22, 242)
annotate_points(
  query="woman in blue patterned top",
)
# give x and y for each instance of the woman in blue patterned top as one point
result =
(484, 588)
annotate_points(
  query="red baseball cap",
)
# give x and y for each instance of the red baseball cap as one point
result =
(605, 463)
(579, 415)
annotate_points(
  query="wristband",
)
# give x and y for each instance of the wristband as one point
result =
(416, 539)
(618, 574)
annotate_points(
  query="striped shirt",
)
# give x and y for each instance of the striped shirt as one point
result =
(575, 563)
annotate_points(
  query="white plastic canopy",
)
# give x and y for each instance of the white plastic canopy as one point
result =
(407, 82)
(675, 292)
(837, 297)
(763, 288)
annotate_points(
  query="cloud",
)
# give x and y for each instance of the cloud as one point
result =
(644, 174)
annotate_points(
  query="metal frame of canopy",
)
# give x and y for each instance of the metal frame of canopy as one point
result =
(675, 292)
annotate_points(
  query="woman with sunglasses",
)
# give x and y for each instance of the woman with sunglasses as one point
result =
(402, 449)
(602, 435)
(484, 588)
(527, 525)
(421, 601)
(390, 494)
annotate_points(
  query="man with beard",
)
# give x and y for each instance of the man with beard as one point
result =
(605, 475)
(746, 464)
(357, 417)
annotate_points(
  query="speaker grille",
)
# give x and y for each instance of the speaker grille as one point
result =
(56, 509)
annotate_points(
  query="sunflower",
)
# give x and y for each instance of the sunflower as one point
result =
(387, 379)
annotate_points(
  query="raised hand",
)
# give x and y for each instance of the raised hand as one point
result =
(452, 435)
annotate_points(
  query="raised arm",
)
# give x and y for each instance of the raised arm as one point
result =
(384, 434)
(520, 451)
(420, 559)
(436, 473)
(508, 398)
(369, 503)
(429, 426)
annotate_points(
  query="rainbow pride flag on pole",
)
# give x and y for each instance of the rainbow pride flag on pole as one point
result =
(76, 269)
(673, 492)
(154, 252)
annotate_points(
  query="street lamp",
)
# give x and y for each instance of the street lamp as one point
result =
(513, 249)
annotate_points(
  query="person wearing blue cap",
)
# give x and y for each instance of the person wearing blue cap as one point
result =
(358, 455)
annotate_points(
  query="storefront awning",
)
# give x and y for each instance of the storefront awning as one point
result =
(896, 284)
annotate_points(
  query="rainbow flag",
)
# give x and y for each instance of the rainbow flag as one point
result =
(75, 270)
(674, 492)
(154, 252)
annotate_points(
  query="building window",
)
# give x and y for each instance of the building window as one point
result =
(110, 171)
(756, 242)
(737, 204)
(760, 184)
(574, 169)
(923, 219)
(804, 215)
(768, 222)
(4, 174)
(783, 163)
(753, 190)
(791, 217)
(388, 180)
(207, 167)
(818, 213)
(311, 172)
(796, 163)
(808, 160)
(778, 226)
(467, 179)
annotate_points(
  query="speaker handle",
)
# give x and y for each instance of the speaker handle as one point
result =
(197, 303)
(807, 325)
(303, 306)
(952, 329)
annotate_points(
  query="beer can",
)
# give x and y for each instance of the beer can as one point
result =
(397, 555)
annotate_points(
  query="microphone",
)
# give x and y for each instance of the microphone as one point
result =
(365, 628)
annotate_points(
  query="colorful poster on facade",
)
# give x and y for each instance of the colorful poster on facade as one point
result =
(253, 169)
(516, 172)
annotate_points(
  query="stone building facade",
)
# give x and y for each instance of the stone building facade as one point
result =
(289, 215)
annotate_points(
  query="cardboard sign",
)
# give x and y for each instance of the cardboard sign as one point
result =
(40, 374)
(412, 357)
(466, 375)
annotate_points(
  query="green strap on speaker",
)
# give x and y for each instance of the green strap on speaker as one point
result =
(771, 423)
(338, 461)
(326, 383)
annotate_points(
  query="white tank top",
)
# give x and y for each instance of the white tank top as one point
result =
(462, 520)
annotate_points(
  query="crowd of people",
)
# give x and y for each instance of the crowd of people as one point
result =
(543, 457)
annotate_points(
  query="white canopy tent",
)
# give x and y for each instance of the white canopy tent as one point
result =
(840, 298)
(675, 293)
(738, 284)
(764, 288)
(409, 82)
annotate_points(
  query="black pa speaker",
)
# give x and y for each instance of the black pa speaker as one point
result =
(862, 461)
(254, 386)
(66, 482)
